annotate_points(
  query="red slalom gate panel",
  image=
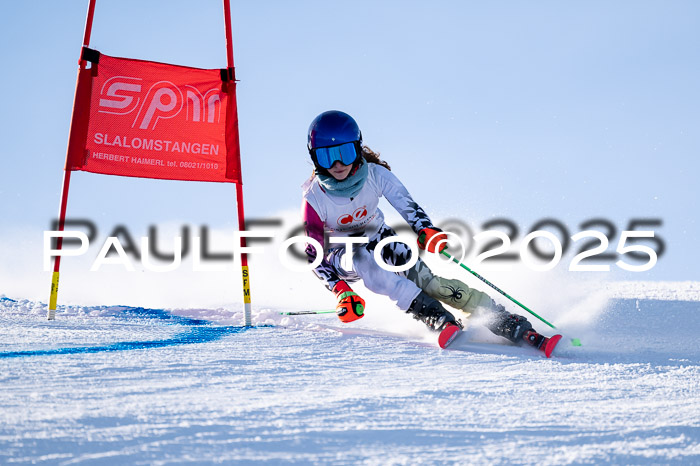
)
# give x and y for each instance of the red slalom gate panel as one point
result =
(154, 120)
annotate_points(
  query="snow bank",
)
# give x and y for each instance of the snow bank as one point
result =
(668, 291)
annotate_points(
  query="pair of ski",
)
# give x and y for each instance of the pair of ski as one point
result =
(448, 335)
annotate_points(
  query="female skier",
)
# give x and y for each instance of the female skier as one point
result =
(341, 198)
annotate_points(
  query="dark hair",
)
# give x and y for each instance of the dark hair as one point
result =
(373, 157)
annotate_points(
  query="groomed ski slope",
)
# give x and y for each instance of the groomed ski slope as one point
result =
(125, 385)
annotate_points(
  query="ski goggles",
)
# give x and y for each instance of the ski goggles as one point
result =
(344, 153)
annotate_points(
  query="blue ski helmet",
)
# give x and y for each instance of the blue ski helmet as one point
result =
(334, 136)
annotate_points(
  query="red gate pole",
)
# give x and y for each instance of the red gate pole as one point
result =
(53, 298)
(239, 186)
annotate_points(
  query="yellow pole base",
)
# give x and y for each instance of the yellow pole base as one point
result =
(53, 298)
(247, 314)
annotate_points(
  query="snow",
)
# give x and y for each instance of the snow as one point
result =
(125, 385)
(673, 291)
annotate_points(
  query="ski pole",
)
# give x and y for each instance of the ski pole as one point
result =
(303, 313)
(574, 341)
(456, 261)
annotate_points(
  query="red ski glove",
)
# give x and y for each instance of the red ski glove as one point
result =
(431, 239)
(350, 306)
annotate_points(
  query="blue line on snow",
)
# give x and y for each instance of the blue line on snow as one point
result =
(200, 331)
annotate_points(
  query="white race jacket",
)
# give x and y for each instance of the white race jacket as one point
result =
(357, 216)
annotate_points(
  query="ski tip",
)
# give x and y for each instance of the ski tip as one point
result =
(575, 342)
(448, 335)
(551, 344)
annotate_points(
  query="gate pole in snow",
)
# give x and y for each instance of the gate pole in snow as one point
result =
(53, 298)
(239, 185)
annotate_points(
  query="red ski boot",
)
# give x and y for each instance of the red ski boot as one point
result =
(542, 343)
